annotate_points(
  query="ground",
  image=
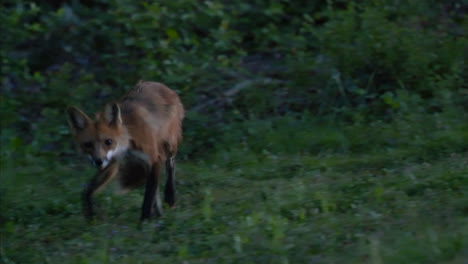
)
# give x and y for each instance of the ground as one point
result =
(383, 192)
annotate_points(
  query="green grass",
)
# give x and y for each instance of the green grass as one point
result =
(391, 192)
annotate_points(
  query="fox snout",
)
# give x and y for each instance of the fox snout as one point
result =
(98, 162)
(103, 159)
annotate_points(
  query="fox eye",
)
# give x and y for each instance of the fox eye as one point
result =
(87, 145)
(108, 142)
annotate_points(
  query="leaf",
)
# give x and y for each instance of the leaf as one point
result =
(10, 226)
(172, 34)
(16, 143)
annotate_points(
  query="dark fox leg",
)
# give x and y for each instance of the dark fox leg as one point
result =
(169, 190)
(101, 179)
(152, 201)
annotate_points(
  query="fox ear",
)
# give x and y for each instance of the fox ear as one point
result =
(112, 115)
(77, 119)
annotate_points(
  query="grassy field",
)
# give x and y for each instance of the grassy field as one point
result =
(284, 190)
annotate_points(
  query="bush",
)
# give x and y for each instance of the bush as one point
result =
(229, 61)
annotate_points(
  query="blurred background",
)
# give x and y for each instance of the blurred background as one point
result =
(288, 93)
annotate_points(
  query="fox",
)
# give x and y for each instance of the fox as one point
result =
(128, 141)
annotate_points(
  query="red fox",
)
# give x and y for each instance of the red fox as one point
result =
(129, 141)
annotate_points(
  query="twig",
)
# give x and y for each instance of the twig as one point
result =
(235, 90)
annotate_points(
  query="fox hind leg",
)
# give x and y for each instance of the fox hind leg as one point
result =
(169, 189)
(152, 202)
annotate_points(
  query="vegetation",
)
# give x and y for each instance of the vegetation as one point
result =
(324, 132)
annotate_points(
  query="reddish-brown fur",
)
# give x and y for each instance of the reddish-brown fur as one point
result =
(152, 114)
(130, 140)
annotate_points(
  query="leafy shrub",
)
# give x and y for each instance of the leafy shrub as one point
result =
(229, 61)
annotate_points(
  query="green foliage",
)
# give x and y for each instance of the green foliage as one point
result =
(315, 132)
(376, 50)
(223, 58)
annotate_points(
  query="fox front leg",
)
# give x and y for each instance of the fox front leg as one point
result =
(96, 184)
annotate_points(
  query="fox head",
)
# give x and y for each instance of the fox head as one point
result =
(102, 139)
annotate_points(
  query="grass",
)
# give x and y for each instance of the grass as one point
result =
(386, 192)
